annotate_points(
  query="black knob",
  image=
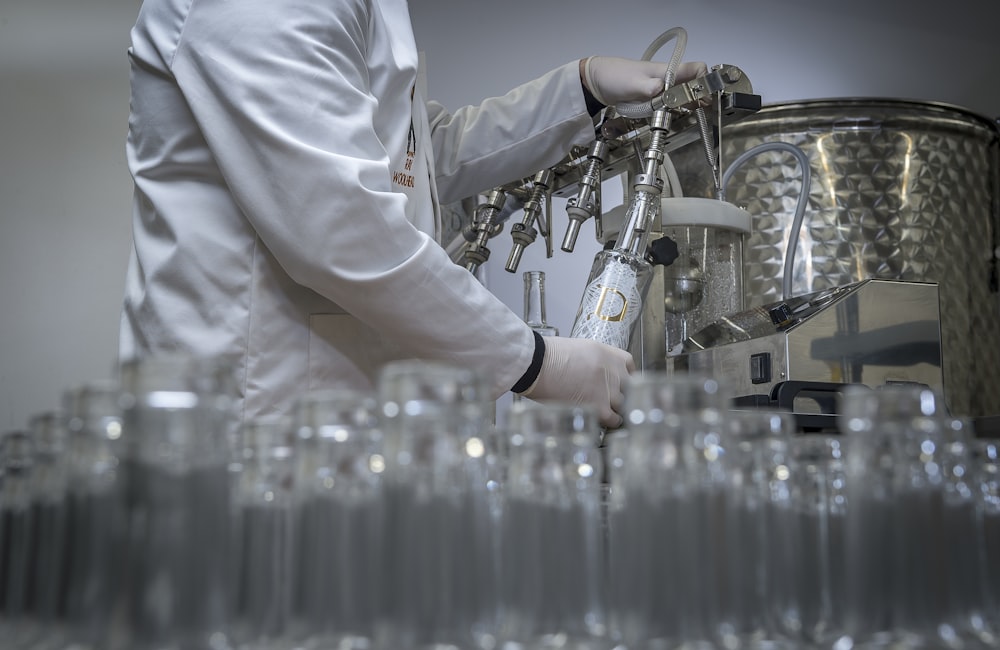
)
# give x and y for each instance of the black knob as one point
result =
(662, 250)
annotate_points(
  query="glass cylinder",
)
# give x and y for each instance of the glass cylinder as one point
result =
(338, 485)
(441, 522)
(177, 419)
(553, 580)
(263, 540)
(705, 282)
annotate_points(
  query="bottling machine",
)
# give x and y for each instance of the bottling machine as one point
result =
(868, 279)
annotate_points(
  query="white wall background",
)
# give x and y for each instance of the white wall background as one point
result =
(65, 191)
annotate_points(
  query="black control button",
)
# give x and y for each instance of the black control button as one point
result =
(781, 314)
(760, 368)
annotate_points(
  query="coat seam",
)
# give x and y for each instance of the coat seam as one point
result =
(245, 379)
(180, 33)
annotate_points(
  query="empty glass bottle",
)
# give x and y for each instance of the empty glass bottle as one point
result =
(534, 304)
(264, 536)
(98, 493)
(811, 525)
(534, 316)
(441, 539)
(339, 501)
(553, 579)
(177, 419)
(912, 523)
(16, 536)
(986, 464)
(753, 442)
(51, 518)
(667, 512)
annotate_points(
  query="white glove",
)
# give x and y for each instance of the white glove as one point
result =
(613, 80)
(582, 371)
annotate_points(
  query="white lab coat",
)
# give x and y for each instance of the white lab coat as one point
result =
(284, 215)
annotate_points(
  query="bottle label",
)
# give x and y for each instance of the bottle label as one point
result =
(611, 304)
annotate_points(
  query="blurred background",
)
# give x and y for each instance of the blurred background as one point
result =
(65, 190)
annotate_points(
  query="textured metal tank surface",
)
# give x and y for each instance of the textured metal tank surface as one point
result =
(900, 190)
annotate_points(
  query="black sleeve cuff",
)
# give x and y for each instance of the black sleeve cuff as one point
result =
(531, 374)
(593, 106)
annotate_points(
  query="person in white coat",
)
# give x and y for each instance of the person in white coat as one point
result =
(288, 172)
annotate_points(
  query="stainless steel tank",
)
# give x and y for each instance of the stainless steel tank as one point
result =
(900, 190)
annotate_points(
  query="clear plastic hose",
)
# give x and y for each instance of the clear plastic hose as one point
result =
(673, 180)
(679, 36)
(800, 207)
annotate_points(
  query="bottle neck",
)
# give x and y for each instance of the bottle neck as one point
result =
(534, 298)
(534, 303)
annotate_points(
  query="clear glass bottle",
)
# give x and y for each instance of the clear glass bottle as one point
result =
(869, 527)
(553, 579)
(534, 304)
(51, 520)
(969, 606)
(620, 278)
(909, 506)
(338, 483)
(534, 315)
(264, 540)
(666, 524)
(177, 416)
(17, 460)
(98, 497)
(810, 533)
(986, 464)
(752, 440)
(441, 519)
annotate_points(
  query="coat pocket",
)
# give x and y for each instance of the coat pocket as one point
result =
(346, 353)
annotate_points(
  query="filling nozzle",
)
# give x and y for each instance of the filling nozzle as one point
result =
(483, 227)
(524, 233)
(646, 190)
(587, 202)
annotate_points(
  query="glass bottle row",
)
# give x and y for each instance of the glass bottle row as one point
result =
(140, 517)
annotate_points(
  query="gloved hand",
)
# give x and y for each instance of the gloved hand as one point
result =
(582, 371)
(613, 80)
